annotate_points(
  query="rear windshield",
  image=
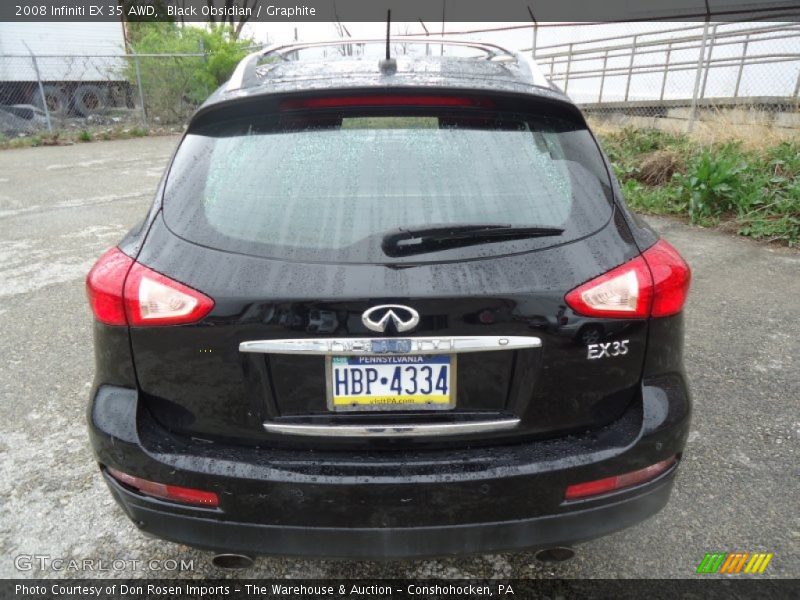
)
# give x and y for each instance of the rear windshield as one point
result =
(331, 189)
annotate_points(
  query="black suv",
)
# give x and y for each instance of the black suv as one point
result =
(388, 308)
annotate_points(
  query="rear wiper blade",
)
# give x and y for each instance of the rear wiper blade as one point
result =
(406, 241)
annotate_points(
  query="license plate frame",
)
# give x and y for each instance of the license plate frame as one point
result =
(397, 407)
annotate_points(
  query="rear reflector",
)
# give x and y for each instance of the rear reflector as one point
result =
(387, 100)
(124, 292)
(166, 492)
(618, 482)
(653, 284)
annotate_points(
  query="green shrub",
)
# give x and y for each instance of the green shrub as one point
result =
(174, 86)
(756, 192)
(713, 184)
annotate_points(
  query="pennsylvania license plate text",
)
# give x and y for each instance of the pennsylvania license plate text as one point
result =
(390, 381)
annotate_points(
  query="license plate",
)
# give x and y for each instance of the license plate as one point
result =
(422, 382)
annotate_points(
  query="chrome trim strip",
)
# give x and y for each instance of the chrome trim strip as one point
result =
(393, 430)
(418, 345)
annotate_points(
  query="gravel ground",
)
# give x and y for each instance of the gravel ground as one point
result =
(60, 207)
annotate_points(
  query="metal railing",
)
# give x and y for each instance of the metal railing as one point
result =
(560, 64)
(707, 64)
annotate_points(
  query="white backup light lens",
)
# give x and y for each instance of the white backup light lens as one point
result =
(618, 294)
(157, 301)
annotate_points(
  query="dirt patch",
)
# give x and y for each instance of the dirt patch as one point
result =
(659, 167)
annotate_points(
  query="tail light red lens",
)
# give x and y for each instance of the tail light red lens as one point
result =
(124, 292)
(174, 493)
(653, 284)
(104, 286)
(671, 279)
(618, 482)
(385, 100)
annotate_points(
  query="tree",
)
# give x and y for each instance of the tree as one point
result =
(235, 23)
(175, 85)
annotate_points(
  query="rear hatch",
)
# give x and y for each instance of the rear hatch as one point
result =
(420, 245)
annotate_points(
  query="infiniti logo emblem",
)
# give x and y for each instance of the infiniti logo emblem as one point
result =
(377, 318)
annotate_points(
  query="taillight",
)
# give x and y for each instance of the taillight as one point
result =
(671, 279)
(124, 292)
(154, 299)
(618, 482)
(175, 493)
(385, 100)
(104, 286)
(653, 284)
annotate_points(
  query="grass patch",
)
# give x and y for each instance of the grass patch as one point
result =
(69, 137)
(750, 189)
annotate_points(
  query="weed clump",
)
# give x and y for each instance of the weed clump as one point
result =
(658, 167)
(754, 191)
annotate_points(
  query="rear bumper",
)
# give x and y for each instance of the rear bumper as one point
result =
(391, 504)
(156, 518)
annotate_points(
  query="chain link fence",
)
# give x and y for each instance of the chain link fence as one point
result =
(670, 76)
(54, 93)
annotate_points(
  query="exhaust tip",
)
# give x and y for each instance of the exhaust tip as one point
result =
(232, 561)
(554, 555)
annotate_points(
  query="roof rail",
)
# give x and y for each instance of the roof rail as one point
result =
(245, 74)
